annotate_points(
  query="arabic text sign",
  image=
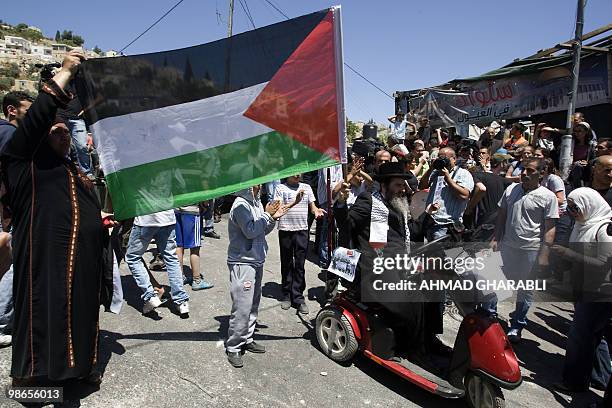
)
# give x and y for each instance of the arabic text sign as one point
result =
(515, 97)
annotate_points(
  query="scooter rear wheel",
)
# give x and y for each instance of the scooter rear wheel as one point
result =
(335, 335)
(480, 393)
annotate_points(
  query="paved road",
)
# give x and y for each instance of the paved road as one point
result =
(171, 362)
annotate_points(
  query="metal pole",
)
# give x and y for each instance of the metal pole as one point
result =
(231, 18)
(566, 154)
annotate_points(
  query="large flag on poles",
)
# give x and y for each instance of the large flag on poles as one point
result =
(177, 127)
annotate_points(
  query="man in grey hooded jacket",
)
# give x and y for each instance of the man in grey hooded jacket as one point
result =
(248, 226)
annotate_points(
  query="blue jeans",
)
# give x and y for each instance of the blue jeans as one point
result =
(587, 359)
(165, 237)
(78, 133)
(518, 265)
(6, 302)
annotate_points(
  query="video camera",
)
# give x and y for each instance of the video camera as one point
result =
(441, 163)
(46, 71)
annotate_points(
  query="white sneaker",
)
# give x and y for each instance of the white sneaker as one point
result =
(184, 308)
(514, 336)
(151, 304)
(5, 340)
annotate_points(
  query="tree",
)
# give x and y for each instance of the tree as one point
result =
(21, 27)
(67, 35)
(6, 83)
(351, 130)
(57, 36)
(77, 40)
(97, 50)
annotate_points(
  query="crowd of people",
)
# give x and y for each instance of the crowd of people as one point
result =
(65, 259)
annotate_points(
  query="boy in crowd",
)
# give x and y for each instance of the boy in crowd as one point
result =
(188, 236)
(247, 228)
(293, 239)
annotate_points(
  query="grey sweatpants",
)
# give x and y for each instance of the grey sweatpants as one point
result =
(245, 289)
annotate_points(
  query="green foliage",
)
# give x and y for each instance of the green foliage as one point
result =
(28, 34)
(10, 70)
(21, 27)
(77, 40)
(351, 130)
(66, 35)
(6, 83)
(97, 50)
(57, 36)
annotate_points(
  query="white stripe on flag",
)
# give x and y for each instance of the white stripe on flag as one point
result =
(144, 137)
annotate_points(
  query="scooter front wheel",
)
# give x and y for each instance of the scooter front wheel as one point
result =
(335, 335)
(480, 393)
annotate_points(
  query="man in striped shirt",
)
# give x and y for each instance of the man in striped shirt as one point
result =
(293, 239)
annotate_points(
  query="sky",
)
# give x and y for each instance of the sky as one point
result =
(398, 45)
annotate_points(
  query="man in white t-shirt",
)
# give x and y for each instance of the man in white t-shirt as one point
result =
(524, 232)
(161, 226)
(398, 126)
(293, 239)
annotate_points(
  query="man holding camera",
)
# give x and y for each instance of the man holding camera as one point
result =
(449, 191)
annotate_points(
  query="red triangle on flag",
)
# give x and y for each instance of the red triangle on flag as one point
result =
(300, 100)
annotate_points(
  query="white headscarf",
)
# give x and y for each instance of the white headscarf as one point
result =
(595, 210)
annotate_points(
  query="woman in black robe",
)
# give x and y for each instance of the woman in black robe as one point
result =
(57, 244)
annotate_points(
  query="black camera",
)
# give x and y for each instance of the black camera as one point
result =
(46, 71)
(441, 163)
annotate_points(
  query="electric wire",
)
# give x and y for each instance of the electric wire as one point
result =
(346, 64)
(151, 26)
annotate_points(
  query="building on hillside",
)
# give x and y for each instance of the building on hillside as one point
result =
(42, 51)
(91, 54)
(33, 28)
(25, 86)
(59, 50)
(21, 45)
(110, 53)
(6, 26)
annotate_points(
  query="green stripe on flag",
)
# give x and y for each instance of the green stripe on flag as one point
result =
(162, 185)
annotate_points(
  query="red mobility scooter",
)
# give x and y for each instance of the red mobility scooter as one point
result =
(482, 361)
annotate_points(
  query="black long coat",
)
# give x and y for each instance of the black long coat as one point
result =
(57, 251)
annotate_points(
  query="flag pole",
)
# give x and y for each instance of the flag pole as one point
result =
(566, 156)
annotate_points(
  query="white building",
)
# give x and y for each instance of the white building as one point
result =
(19, 44)
(42, 51)
(110, 53)
(59, 50)
(91, 54)
(25, 85)
(33, 28)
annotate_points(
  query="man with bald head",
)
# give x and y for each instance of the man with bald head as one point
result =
(602, 177)
(382, 156)
(450, 187)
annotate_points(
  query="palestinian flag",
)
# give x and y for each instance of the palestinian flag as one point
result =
(177, 127)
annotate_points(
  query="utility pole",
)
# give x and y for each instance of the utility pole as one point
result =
(231, 18)
(566, 157)
(226, 84)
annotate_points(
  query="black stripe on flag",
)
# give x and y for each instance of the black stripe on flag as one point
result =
(117, 86)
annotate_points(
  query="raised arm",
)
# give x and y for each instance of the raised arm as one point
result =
(38, 120)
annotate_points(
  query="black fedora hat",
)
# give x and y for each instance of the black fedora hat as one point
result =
(391, 169)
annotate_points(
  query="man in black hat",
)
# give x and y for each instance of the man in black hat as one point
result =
(379, 224)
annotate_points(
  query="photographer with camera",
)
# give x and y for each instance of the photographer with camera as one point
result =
(449, 191)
